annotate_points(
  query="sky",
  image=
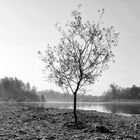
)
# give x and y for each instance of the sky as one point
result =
(27, 26)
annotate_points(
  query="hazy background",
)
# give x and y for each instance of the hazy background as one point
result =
(27, 26)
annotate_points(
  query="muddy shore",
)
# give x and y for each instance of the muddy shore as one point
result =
(20, 122)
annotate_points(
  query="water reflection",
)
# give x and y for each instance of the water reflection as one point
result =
(124, 108)
(120, 108)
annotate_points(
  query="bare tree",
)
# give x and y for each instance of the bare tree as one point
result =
(81, 56)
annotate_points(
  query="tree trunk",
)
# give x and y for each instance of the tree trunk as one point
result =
(74, 105)
(74, 110)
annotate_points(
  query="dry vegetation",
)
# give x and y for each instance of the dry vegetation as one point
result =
(24, 122)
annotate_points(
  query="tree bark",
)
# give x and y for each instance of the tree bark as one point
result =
(74, 110)
(75, 104)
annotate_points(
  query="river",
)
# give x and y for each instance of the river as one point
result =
(124, 108)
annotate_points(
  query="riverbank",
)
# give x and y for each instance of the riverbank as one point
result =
(25, 122)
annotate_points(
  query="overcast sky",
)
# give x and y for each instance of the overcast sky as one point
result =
(27, 26)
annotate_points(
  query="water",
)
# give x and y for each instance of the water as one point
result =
(124, 108)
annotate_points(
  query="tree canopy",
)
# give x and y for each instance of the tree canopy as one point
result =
(83, 53)
(12, 89)
(116, 93)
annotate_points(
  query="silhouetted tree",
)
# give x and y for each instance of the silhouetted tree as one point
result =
(15, 90)
(42, 98)
(123, 94)
(115, 90)
(134, 90)
(81, 56)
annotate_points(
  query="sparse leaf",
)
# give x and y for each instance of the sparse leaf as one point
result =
(83, 53)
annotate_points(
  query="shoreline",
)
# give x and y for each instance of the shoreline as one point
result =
(69, 105)
(26, 122)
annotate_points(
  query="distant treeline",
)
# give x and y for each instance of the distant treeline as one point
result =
(116, 93)
(54, 96)
(14, 90)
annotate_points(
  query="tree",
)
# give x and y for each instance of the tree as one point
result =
(81, 56)
(42, 98)
(114, 91)
(12, 89)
